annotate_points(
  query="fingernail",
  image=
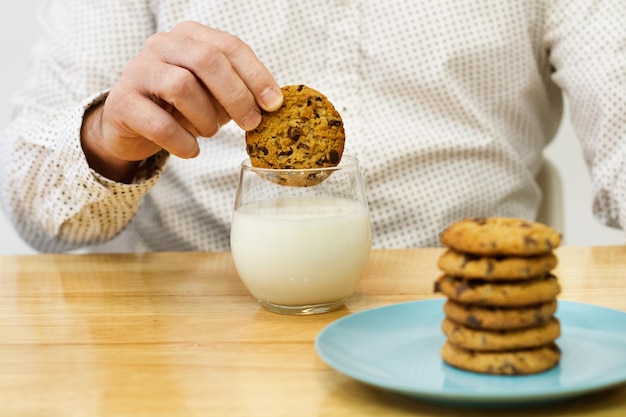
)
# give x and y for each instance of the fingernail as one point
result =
(271, 98)
(252, 120)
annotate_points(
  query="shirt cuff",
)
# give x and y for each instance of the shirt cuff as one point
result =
(149, 170)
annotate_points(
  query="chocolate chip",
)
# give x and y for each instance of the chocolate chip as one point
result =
(539, 318)
(509, 368)
(473, 321)
(300, 87)
(294, 133)
(334, 123)
(529, 241)
(462, 287)
(333, 155)
(490, 267)
(480, 220)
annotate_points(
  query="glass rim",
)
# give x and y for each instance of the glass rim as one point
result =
(350, 160)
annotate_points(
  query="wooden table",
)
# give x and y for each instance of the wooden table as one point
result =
(176, 334)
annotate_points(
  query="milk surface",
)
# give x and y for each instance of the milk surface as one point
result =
(301, 251)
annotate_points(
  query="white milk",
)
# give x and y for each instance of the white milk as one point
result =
(301, 251)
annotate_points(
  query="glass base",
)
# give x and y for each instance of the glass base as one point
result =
(305, 310)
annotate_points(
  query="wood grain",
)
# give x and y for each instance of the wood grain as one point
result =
(176, 334)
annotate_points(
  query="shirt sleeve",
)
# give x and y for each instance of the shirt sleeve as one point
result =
(587, 42)
(49, 192)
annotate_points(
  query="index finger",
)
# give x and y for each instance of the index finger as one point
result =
(228, 67)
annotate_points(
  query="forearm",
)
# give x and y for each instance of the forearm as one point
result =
(51, 194)
(57, 198)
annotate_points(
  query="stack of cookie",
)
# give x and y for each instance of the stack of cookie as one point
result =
(501, 296)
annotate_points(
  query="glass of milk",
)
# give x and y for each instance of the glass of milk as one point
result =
(301, 238)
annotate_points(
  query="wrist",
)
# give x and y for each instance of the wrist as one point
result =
(94, 148)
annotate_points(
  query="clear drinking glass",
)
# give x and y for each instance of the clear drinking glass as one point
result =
(301, 238)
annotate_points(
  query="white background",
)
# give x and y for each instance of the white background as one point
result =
(18, 30)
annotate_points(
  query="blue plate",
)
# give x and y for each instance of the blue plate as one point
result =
(396, 348)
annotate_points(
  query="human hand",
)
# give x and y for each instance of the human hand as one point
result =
(185, 83)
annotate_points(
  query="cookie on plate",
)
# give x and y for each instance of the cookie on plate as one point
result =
(497, 340)
(495, 267)
(514, 362)
(500, 236)
(499, 293)
(305, 132)
(500, 318)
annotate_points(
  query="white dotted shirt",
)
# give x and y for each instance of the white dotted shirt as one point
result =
(448, 105)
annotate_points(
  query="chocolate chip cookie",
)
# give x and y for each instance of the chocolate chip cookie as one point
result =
(500, 236)
(514, 362)
(495, 267)
(499, 293)
(497, 340)
(305, 132)
(500, 318)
